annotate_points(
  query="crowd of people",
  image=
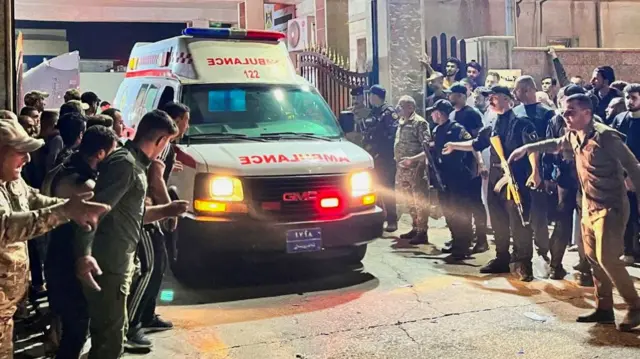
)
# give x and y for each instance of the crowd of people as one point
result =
(572, 150)
(92, 213)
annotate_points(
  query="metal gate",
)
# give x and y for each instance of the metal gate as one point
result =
(441, 49)
(329, 73)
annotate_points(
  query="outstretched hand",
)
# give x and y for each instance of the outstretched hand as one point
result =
(517, 154)
(86, 214)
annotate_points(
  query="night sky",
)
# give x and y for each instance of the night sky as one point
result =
(107, 40)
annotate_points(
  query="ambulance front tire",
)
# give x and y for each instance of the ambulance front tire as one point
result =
(355, 255)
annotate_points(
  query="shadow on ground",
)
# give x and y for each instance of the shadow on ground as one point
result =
(251, 281)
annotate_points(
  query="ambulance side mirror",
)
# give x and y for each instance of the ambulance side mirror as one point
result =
(347, 121)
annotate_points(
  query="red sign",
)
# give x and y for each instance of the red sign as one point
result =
(220, 61)
(314, 157)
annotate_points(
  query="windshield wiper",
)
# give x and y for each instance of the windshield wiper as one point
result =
(295, 134)
(234, 136)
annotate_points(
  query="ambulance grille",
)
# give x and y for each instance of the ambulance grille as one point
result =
(267, 193)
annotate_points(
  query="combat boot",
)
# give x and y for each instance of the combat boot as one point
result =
(496, 266)
(601, 316)
(557, 273)
(482, 245)
(420, 238)
(585, 280)
(410, 234)
(391, 227)
(525, 271)
(630, 321)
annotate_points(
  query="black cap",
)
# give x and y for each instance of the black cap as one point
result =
(458, 88)
(358, 91)
(442, 106)
(89, 97)
(574, 89)
(498, 90)
(378, 91)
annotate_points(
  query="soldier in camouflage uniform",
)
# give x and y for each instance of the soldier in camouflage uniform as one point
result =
(412, 137)
(26, 214)
(360, 112)
(379, 133)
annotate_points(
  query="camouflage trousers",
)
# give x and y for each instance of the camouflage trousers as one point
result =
(10, 296)
(6, 337)
(413, 193)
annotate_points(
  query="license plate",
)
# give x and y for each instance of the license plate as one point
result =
(304, 240)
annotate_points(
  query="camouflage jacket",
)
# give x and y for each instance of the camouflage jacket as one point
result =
(24, 214)
(412, 136)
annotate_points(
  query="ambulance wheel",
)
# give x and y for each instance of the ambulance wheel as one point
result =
(356, 255)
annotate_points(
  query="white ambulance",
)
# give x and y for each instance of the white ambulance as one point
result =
(267, 168)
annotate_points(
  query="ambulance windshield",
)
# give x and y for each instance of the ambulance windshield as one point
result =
(257, 110)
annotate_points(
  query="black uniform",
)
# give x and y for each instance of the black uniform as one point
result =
(471, 119)
(569, 195)
(379, 137)
(630, 127)
(514, 132)
(64, 289)
(456, 171)
(540, 115)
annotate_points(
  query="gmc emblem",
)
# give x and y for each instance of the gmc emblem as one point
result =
(300, 196)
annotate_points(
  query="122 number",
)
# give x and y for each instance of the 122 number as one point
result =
(252, 74)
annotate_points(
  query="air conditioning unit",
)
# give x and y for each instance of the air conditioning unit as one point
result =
(300, 33)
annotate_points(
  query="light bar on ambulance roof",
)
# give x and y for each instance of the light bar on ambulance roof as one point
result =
(235, 34)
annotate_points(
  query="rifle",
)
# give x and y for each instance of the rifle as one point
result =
(432, 166)
(512, 186)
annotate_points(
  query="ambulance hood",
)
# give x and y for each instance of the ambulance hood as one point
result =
(285, 157)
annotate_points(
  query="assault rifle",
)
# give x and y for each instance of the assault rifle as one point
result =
(513, 192)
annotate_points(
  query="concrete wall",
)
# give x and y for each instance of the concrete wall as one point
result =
(359, 15)
(464, 18)
(337, 26)
(576, 19)
(536, 62)
(306, 8)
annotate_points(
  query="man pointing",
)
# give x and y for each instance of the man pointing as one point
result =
(26, 214)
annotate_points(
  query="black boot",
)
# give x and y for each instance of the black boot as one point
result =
(525, 271)
(558, 273)
(482, 245)
(585, 280)
(410, 234)
(420, 238)
(630, 321)
(496, 266)
(598, 316)
(391, 227)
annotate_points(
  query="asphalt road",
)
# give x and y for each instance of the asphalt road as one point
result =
(405, 302)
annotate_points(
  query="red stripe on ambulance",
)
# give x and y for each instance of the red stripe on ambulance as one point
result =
(313, 157)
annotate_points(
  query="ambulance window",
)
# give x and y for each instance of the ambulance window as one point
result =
(256, 109)
(141, 94)
(151, 98)
(167, 96)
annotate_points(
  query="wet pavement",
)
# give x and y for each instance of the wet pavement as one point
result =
(404, 302)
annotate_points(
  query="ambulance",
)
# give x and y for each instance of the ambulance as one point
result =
(267, 168)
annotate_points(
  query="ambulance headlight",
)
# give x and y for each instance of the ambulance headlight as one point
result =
(222, 188)
(361, 184)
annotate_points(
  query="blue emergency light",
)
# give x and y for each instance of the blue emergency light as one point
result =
(235, 34)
